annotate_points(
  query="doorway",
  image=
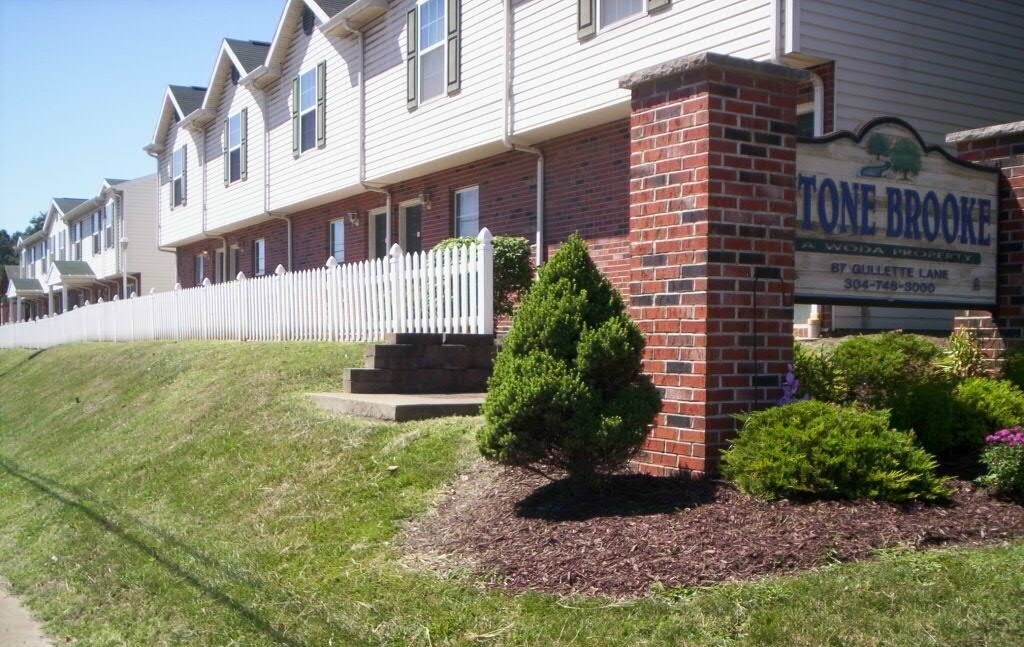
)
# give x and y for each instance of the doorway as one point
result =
(411, 230)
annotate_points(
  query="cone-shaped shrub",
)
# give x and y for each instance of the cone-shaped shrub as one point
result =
(567, 392)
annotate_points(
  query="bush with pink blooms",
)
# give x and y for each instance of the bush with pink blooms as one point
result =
(1004, 458)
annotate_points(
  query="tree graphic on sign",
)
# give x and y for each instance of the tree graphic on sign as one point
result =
(905, 158)
(878, 145)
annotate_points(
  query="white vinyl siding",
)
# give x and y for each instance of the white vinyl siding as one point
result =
(320, 174)
(136, 221)
(242, 201)
(559, 79)
(941, 65)
(184, 222)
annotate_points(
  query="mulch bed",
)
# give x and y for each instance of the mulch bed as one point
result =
(523, 533)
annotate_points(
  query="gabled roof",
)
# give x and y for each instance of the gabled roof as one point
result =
(179, 101)
(324, 10)
(23, 287)
(113, 182)
(13, 271)
(332, 7)
(245, 55)
(67, 204)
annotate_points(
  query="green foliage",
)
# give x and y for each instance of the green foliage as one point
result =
(816, 372)
(1005, 469)
(983, 406)
(963, 358)
(881, 370)
(816, 450)
(930, 412)
(567, 391)
(1013, 366)
(513, 272)
(878, 145)
(905, 157)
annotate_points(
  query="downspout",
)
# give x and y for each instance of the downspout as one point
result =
(266, 175)
(372, 187)
(223, 240)
(508, 130)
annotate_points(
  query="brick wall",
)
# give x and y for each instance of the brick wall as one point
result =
(1006, 325)
(587, 190)
(712, 209)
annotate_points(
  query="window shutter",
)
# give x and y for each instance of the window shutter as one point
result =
(184, 174)
(454, 16)
(654, 5)
(243, 153)
(586, 25)
(295, 116)
(411, 48)
(321, 104)
(225, 151)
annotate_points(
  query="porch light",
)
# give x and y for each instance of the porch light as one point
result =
(353, 218)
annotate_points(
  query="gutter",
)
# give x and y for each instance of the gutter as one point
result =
(508, 132)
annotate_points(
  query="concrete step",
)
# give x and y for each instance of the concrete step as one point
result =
(401, 407)
(446, 356)
(436, 339)
(369, 380)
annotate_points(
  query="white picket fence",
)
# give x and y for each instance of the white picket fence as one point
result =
(450, 291)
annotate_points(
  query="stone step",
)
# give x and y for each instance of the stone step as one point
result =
(435, 380)
(436, 339)
(401, 407)
(447, 356)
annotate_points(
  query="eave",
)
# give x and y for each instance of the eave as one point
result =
(355, 17)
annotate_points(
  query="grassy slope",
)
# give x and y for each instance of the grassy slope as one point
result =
(188, 494)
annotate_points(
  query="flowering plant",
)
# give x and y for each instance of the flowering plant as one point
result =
(1004, 458)
(1013, 437)
(791, 389)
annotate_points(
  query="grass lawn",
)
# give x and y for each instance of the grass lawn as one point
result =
(187, 493)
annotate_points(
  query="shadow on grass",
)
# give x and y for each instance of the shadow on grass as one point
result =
(620, 495)
(22, 363)
(154, 548)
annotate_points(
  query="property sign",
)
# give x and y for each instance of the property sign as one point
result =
(884, 219)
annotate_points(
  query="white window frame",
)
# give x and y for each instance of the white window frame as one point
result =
(621, 21)
(235, 119)
(177, 177)
(109, 214)
(97, 232)
(459, 217)
(259, 257)
(403, 220)
(371, 247)
(311, 74)
(332, 246)
(422, 51)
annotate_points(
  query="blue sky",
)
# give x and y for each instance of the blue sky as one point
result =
(81, 83)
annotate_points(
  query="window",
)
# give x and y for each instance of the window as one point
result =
(77, 230)
(234, 143)
(259, 257)
(97, 228)
(805, 119)
(200, 269)
(219, 261)
(307, 110)
(178, 178)
(612, 11)
(62, 245)
(467, 212)
(431, 48)
(336, 246)
(109, 213)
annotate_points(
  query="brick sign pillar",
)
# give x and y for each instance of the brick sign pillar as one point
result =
(712, 220)
(1001, 147)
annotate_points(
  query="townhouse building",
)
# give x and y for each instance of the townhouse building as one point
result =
(371, 122)
(88, 249)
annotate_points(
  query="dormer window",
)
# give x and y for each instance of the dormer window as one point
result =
(235, 147)
(308, 21)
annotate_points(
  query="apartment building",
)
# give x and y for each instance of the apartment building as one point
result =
(88, 249)
(371, 122)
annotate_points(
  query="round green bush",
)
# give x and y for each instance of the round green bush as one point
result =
(513, 272)
(816, 372)
(567, 391)
(812, 449)
(880, 370)
(929, 411)
(982, 407)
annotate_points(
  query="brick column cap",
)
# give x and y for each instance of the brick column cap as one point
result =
(703, 60)
(987, 132)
